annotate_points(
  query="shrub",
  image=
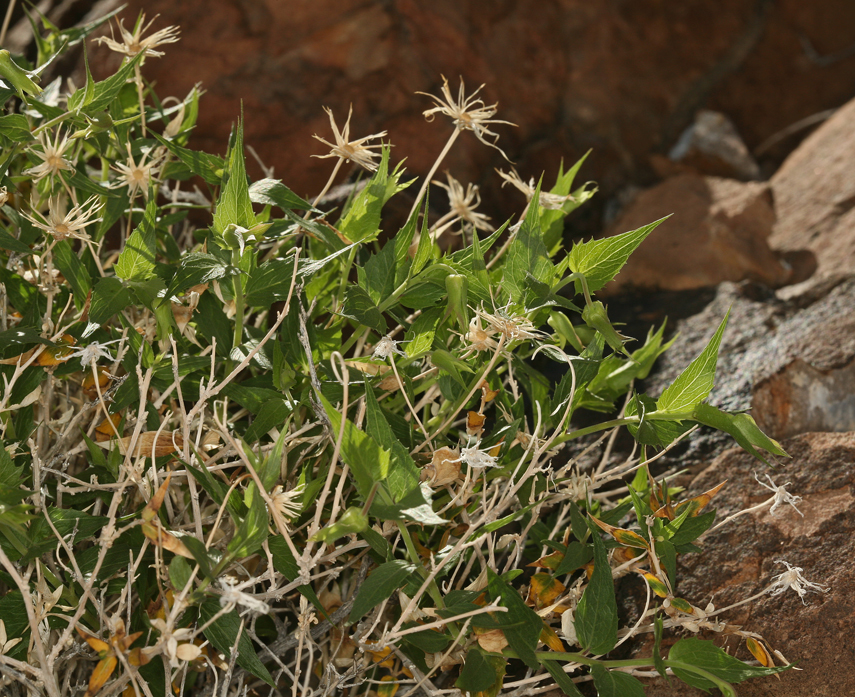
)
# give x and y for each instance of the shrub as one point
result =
(251, 440)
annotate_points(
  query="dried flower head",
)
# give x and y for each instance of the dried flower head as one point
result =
(91, 353)
(5, 643)
(52, 155)
(464, 202)
(356, 151)
(137, 176)
(792, 578)
(467, 113)
(232, 595)
(549, 201)
(4, 195)
(512, 327)
(385, 348)
(476, 458)
(782, 496)
(288, 503)
(478, 338)
(167, 643)
(133, 43)
(61, 225)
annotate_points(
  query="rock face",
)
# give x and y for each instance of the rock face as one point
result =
(815, 199)
(624, 79)
(739, 560)
(791, 366)
(717, 232)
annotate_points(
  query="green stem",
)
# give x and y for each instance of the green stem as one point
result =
(239, 300)
(604, 426)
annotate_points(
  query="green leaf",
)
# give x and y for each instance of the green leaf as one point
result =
(521, 625)
(252, 530)
(136, 262)
(72, 524)
(658, 661)
(285, 563)
(359, 307)
(196, 268)
(377, 277)
(13, 244)
(552, 221)
(223, 632)
(361, 223)
(14, 614)
(611, 683)
(596, 615)
(272, 414)
(368, 462)
(270, 282)
(106, 91)
(691, 528)
(16, 128)
(379, 586)
(600, 260)
(15, 341)
(742, 427)
(575, 557)
(179, 572)
(452, 365)
(568, 687)
(209, 167)
(527, 255)
(272, 192)
(83, 97)
(419, 337)
(477, 673)
(234, 206)
(707, 656)
(693, 385)
(659, 434)
(72, 269)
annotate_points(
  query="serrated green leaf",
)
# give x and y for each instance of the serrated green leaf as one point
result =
(693, 385)
(136, 262)
(612, 683)
(196, 268)
(179, 573)
(270, 282)
(272, 414)
(272, 192)
(377, 277)
(83, 97)
(552, 221)
(16, 128)
(368, 462)
(210, 167)
(359, 307)
(659, 434)
(234, 206)
(596, 615)
(419, 337)
(107, 90)
(742, 427)
(361, 223)
(575, 557)
(527, 255)
(223, 632)
(380, 585)
(600, 260)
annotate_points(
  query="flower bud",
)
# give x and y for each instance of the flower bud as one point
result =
(457, 287)
(596, 317)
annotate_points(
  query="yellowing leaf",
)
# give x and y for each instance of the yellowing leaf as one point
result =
(656, 585)
(550, 638)
(550, 561)
(697, 503)
(101, 674)
(759, 652)
(544, 589)
(682, 606)
(627, 538)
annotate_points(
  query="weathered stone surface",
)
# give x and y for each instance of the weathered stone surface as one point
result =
(739, 560)
(621, 78)
(717, 233)
(815, 200)
(764, 338)
(712, 145)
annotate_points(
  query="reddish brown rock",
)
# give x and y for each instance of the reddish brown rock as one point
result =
(739, 561)
(717, 233)
(815, 199)
(622, 78)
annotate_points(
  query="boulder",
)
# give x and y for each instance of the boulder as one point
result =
(740, 560)
(717, 232)
(815, 200)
